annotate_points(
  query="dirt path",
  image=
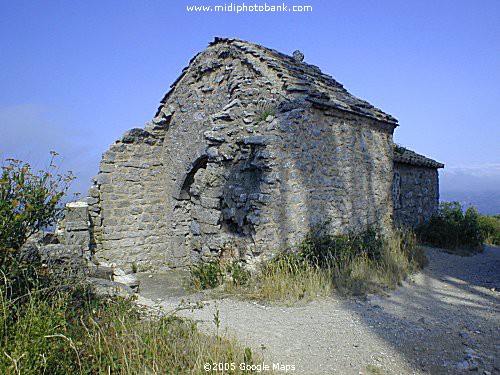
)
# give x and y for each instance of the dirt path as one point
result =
(444, 320)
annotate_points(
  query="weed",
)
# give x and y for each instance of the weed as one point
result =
(238, 274)
(353, 264)
(290, 278)
(216, 320)
(323, 249)
(206, 275)
(265, 109)
(247, 357)
(398, 149)
(78, 333)
(135, 267)
(376, 370)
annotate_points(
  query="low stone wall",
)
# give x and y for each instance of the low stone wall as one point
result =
(69, 247)
(415, 194)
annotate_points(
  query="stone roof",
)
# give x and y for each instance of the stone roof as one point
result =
(297, 78)
(406, 156)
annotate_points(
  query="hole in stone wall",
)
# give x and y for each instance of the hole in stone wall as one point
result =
(201, 162)
(241, 197)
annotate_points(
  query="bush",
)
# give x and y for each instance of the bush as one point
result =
(29, 201)
(490, 229)
(323, 249)
(265, 109)
(206, 275)
(353, 264)
(238, 274)
(364, 262)
(212, 274)
(451, 229)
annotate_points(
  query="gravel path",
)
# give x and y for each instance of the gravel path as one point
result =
(444, 320)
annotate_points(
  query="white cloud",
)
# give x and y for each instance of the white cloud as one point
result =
(484, 170)
(477, 178)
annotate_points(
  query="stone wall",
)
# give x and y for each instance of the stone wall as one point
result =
(333, 166)
(246, 152)
(415, 194)
(125, 203)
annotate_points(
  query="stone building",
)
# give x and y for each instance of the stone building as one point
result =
(247, 151)
(415, 187)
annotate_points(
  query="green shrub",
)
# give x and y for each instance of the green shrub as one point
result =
(29, 201)
(323, 249)
(265, 109)
(206, 275)
(364, 262)
(451, 229)
(490, 229)
(238, 274)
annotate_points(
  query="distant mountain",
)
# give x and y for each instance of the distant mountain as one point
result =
(486, 202)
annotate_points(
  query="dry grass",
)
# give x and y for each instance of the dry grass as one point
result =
(399, 257)
(85, 335)
(290, 280)
(294, 277)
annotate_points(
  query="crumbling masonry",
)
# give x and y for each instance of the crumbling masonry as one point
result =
(247, 151)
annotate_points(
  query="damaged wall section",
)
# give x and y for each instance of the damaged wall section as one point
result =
(126, 199)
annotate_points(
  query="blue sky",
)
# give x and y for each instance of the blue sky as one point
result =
(75, 75)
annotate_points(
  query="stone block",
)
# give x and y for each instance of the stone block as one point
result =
(206, 215)
(130, 280)
(195, 228)
(91, 201)
(61, 253)
(73, 226)
(79, 238)
(208, 202)
(94, 192)
(76, 212)
(103, 179)
(209, 229)
(108, 288)
(102, 272)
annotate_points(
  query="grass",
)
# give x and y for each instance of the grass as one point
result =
(265, 109)
(399, 257)
(376, 370)
(353, 264)
(74, 332)
(290, 279)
